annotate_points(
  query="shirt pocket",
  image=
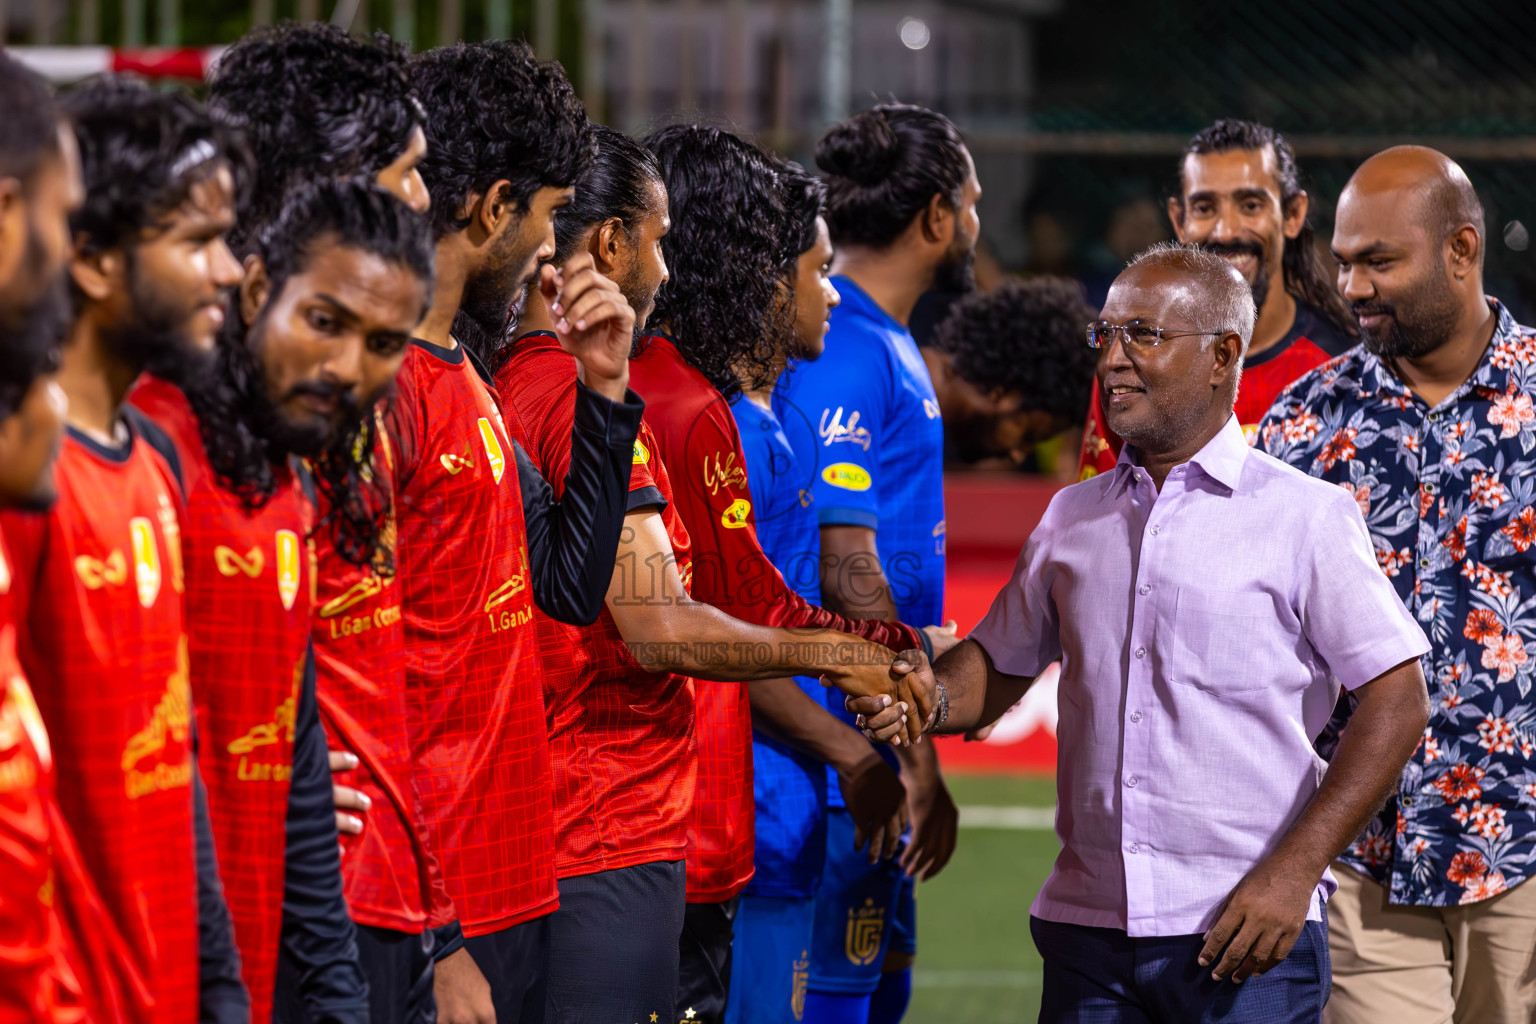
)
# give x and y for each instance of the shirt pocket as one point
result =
(1218, 643)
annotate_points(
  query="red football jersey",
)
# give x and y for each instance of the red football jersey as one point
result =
(702, 449)
(472, 671)
(1261, 384)
(99, 591)
(38, 979)
(621, 739)
(249, 584)
(388, 871)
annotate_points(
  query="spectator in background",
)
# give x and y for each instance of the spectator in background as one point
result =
(1429, 425)
(1010, 369)
(1240, 197)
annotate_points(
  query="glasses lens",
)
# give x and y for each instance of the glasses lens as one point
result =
(1099, 334)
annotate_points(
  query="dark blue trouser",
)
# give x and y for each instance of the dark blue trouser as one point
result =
(1102, 976)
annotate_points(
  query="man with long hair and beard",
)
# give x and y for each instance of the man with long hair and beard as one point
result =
(1429, 425)
(481, 537)
(622, 710)
(316, 104)
(98, 584)
(332, 290)
(1239, 195)
(716, 324)
(901, 207)
(40, 966)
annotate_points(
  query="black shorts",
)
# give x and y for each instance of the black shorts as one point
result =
(613, 945)
(515, 962)
(704, 973)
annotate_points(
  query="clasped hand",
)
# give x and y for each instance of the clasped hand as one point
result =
(885, 688)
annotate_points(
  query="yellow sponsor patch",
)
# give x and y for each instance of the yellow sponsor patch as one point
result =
(735, 515)
(1088, 473)
(847, 476)
(642, 453)
(493, 451)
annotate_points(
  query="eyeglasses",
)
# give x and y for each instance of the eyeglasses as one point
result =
(1136, 335)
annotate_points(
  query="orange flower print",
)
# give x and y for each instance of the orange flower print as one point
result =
(1465, 866)
(1482, 626)
(1505, 653)
(1361, 494)
(1340, 448)
(1510, 411)
(1488, 491)
(1460, 782)
(1522, 529)
(1484, 887)
(1496, 734)
(1456, 540)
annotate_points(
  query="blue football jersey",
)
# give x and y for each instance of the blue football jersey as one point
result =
(789, 788)
(864, 420)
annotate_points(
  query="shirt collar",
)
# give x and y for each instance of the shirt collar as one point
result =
(1221, 459)
(1377, 378)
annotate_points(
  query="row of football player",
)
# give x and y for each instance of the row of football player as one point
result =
(353, 457)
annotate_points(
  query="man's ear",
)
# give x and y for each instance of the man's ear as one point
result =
(255, 289)
(1226, 358)
(1463, 250)
(13, 228)
(1176, 217)
(938, 221)
(96, 274)
(494, 209)
(1296, 214)
(607, 239)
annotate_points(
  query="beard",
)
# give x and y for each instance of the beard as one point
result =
(957, 274)
(1419, 323)
(155, 339)
(1260, 284)
(33, 331)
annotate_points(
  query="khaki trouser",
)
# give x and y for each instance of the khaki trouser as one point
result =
(1474, 964)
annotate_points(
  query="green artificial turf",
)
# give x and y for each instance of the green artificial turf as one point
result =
(976, 963)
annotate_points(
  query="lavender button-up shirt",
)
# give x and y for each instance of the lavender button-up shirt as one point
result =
(1203, 633)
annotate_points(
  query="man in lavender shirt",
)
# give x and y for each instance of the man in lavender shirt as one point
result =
(1206, 602)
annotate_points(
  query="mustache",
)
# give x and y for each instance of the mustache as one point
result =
(1238, 248)
(1371, 309)
(341, 394)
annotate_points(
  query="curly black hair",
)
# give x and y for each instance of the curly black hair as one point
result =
(314, 102)
(1306, 278)
(805, 199)
(237, 419)
(29, 335)
(616, 184)
(142, 150)
(1025, 337)
(496, 113)
(724, 305)
(883, 166)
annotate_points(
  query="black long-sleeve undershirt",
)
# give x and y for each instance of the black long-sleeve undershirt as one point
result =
(223, 997)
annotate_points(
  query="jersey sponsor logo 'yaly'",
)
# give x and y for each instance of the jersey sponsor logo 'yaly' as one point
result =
(735, 515)
(169, 722)
(847, 475)
(642, 453)
(718, 474)
(836, 430)
(865, 925)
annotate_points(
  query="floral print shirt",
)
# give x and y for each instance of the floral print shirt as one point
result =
(1449, 496)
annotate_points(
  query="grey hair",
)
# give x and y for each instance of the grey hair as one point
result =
(1226, 303)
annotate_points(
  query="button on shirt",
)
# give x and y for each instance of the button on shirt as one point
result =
(1203, 634)
(1449, 496)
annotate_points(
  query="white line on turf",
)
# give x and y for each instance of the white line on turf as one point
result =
(1021, 818)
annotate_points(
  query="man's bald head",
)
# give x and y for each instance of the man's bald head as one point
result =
(1437, 190)
(1217, 297)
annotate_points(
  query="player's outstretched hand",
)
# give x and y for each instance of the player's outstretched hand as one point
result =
(877, 803)
(943, 637)
(887, 720)
(1261, 920)
(346, 798)
(593, 321)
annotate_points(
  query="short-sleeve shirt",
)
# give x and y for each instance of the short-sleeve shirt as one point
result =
(1448, 495)
(789, 787)
(100, 589)
(621, 739)
(1193, 647)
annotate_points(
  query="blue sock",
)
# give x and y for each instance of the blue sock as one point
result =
(889, 1003)
(836, 1008)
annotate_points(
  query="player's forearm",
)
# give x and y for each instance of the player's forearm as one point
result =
(1382, 733)
(978, 693)
(573, 541)
(853, 581)
(784, 711)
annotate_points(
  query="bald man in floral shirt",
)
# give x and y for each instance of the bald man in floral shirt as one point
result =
(1430, 425)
